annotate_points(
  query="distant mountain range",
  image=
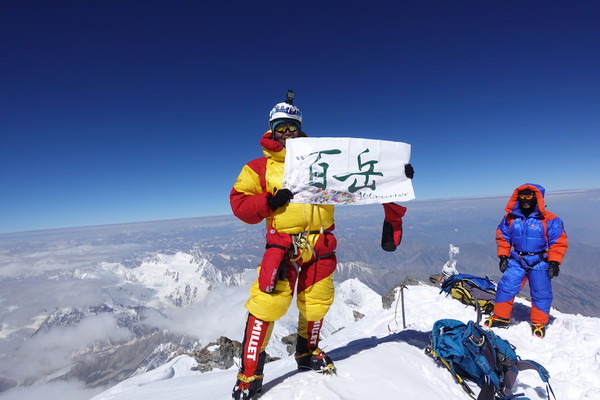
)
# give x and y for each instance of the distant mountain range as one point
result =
(99, 304)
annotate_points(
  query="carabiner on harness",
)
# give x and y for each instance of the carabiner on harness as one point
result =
(300, 243)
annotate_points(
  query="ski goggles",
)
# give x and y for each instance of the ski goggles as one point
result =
(286, 126)
(525, 196)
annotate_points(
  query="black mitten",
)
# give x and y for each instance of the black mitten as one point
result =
(553, 269)
(503, 263)
(280, 198)
(409, 171)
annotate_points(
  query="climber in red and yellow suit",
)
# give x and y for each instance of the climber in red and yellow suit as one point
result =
(300, 254)
(531, 244)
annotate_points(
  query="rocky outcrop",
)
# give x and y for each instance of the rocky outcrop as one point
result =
(219, 354)
(388, 299)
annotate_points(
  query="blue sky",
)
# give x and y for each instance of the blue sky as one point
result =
(123, 111)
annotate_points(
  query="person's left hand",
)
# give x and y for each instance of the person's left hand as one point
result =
(409, 171)
(553, 269)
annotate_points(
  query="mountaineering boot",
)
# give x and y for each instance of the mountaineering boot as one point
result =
(315, 360)
(496, 322)
(308, 355)
(247, 388)
(249, 379)
(538, 330)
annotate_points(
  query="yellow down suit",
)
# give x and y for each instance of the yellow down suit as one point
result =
(311, 260)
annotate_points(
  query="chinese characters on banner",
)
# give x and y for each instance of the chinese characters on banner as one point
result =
(347, 171)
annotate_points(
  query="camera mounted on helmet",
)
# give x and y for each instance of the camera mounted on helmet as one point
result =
(289, 97)
(285, 112)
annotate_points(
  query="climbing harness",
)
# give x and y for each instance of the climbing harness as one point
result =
(523, 261)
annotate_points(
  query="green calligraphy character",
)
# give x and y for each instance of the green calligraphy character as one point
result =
(318, 170)
(366, 174)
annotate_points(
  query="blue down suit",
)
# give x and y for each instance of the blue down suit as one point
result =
(530, 242)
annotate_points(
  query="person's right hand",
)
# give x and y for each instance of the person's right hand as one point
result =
(280, 198)
(503, 263)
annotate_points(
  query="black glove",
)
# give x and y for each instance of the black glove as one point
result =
(409, 171)
(503, 263)
(553, 269)
(281, 198)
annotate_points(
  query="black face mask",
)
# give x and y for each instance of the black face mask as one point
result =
(527, 210)
(530, 202)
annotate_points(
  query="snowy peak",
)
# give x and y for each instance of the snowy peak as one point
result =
(353, 300)
(178, 280)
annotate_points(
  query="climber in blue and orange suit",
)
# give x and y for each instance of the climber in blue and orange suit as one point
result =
(531, 244)
(299, 255)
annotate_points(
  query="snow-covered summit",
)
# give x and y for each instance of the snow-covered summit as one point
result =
(376, 358)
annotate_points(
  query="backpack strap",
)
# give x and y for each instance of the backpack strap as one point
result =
(487, 392)
(457, 378)
(510, 377)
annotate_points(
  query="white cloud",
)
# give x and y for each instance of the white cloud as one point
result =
(60, 390)
(222, 312)
(47, 352)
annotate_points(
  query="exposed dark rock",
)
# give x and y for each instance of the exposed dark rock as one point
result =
(290, 342)
(219, 354)
(388, 299)
(357, 315)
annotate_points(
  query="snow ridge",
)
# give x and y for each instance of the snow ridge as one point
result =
(377, 360)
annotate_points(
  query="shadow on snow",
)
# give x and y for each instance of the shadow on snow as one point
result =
(412, 337)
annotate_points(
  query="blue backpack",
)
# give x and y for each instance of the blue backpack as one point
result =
(471, 290)
(473, 353)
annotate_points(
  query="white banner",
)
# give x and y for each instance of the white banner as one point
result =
(347, 171)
